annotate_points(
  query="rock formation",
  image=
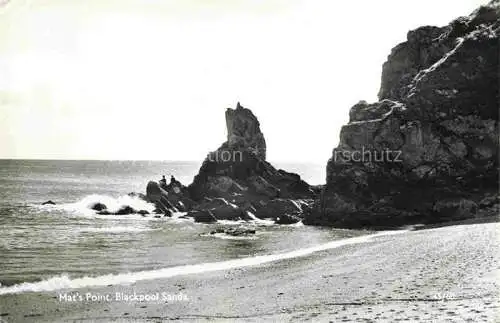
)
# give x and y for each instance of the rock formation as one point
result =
(170, 198)
(235, 182)
(239, 173)
(428, 150)
(243, 131)
(235, 232)
(204, 216)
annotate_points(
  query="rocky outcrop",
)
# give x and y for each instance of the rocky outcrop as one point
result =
(284, 211)
(178, 195)
(279, 207)
(235, 181)
(243, 131)
(428, 150)
(123, 210)
(235, 232)
(203, 216)
(239, 173)
(160, 197)
(223, 210)
(98, 206)
(173, 197)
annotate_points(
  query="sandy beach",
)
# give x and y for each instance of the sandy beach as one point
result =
(442, 274)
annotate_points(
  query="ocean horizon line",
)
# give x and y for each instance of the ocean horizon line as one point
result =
(153, 160)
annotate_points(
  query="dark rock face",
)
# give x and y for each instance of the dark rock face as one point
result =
(428, 151)
(287, 219)
(228, 212)
(178, 195)
(238, 172)
(212, 203)
(243, 131)
(420, 51)
(203, 216)
(170, 198)
(284, 211)
(279, 207)
(223, 210)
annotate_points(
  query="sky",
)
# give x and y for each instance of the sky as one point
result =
(151, 79)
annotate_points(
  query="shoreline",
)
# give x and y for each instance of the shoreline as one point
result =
(436, 273)
(480, 220)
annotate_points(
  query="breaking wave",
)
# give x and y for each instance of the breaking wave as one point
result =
(112, 204)
(65, 282)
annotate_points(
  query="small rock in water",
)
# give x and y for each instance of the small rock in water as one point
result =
(49, 202)
(235, 232)
(98, 206)
(240, 232)
(218, 230)
(125, 210)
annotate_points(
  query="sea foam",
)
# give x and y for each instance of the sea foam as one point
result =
(65, 282)
(113, 204)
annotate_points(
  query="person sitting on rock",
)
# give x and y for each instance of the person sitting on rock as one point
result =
(163, 182)
(175, 185)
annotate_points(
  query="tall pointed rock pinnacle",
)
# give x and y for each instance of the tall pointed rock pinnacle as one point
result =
(243, 131)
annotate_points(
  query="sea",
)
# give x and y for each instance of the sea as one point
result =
(67, 245)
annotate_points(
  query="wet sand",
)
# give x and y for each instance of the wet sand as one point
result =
(442, 274)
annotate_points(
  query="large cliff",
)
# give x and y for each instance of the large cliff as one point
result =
(428, 150)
